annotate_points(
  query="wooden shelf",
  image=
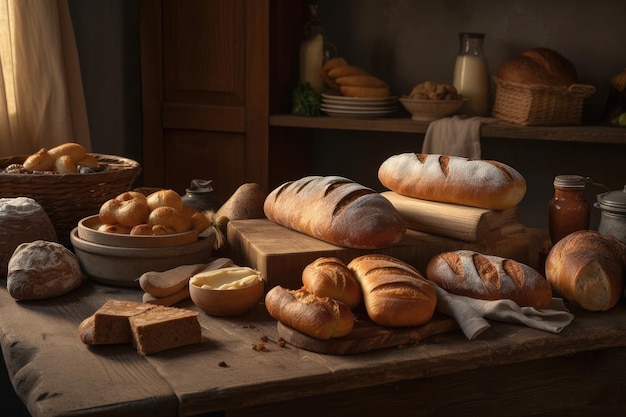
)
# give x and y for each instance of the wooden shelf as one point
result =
(588, 134)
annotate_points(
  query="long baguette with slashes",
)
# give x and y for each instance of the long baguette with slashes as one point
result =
(451, 179)
(336, 210)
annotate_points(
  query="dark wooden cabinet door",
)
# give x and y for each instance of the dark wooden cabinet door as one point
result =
(205, 92)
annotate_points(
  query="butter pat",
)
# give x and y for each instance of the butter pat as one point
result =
(229, 278)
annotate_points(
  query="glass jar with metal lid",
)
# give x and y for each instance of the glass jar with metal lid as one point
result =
(613, 213)
(568, 211)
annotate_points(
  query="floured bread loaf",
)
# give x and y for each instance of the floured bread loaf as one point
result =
(109, 325)
(42, 269)
(453, 179)
(163, 328)
(22, 220)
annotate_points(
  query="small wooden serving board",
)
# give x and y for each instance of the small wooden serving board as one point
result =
(367, 336)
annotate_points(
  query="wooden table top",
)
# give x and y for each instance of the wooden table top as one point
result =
(55, 374)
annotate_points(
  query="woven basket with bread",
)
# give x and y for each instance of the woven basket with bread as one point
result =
(67, 197)
(539, 88)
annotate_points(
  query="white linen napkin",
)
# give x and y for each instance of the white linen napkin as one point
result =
(471, 314)
(455, 136)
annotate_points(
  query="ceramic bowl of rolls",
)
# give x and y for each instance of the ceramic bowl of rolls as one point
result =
(430, 101)
(134, 233)
(229, 291)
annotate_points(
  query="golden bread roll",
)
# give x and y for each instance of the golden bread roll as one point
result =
(364, 92)
(40, 161)
(170, 217)
(361, 81)
(148, 230)
(130, 195)
(588, 269)
(75, 151)
(127, 213)
(89, 161)
(487, 277)
(345, 70)
(169, 198)
(114, 228)
(395, 294)
(334, 63)
(330, 82)
(330, 277)
(319, 317)
(64, 164)
(199, 220)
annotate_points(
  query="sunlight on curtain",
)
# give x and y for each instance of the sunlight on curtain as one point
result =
(41, 95)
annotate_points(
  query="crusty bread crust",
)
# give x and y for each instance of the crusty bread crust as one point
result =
(541, 66)
(336, 210)
(330, 277)
(395, 294)
(588, 269)
(453, 179)
(488, 277)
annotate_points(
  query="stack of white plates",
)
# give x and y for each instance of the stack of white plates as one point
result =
(334, 104)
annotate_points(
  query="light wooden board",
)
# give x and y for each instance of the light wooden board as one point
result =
(281, 253)
(470, 224)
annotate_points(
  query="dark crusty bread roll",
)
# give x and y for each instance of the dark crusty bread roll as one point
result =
(541, 66)
(588, 269)
(330, 277)
(319, 317)
(452, 179)
(395, 294)
(487, 277)
(336, 210)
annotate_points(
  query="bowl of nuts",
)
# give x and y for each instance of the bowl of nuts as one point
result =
(430, 101)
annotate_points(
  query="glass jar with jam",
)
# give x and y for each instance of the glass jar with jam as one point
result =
(568, 211)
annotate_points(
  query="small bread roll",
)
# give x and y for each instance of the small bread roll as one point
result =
(114, 228)
(168, 198)
(330, 277)
(148, 230)
(128, 213)
(334, 63)
(89, 161)
(361, 81)
(75, 151)
(199, 220)
(130, 195)
(170, 217)
(40, 161)
(344, 70)
(65, 165)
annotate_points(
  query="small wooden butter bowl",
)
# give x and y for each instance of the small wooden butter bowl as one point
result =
(229, 291)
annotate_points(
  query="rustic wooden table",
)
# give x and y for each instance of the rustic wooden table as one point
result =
(510, 370)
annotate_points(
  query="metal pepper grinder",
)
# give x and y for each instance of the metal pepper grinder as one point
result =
(200, 197)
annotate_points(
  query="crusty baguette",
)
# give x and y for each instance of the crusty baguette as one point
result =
(319, 317)
(451, 179)
(488, 277)
(336, 210)
(588, 269)
(395, 294)
(361, 81)
(364, 92)
(330, 277)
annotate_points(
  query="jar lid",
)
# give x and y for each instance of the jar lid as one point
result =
(566, 181)
(613, 201)
(200, 186)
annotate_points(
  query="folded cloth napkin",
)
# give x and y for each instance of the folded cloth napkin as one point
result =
(455, 136)
(471, 314)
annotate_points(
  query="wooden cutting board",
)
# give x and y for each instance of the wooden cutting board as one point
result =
(367, 336)
(470, 224)
(280, 253)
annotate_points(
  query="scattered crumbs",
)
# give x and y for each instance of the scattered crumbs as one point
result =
(259, 347)
(222, 364)
(281, 342)
(264, 338)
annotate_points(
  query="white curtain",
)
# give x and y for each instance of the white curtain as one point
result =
(41, 95)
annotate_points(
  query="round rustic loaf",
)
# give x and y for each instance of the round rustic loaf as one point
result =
(41, 269)
(587, 268)
(538, 66)
(22, 220)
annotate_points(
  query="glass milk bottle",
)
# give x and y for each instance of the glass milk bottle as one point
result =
(314, 50)
(471, 77)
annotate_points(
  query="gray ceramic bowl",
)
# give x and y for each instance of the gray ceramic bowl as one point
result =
(122, 266)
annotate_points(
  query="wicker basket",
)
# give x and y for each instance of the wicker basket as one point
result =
(540, 105)
(68, 198)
